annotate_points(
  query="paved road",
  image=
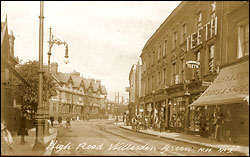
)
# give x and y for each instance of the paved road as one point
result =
(101, 137)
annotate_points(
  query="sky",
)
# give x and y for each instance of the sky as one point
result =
(105, 38)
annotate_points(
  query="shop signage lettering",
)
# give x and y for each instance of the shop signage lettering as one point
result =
(193, 64)
(232, 77)
(233, 89)
(209, 30)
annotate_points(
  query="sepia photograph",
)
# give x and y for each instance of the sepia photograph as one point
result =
(124, 78)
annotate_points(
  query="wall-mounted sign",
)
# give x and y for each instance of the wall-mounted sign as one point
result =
(209, 30)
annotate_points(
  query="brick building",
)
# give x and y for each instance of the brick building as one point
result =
(185, 55)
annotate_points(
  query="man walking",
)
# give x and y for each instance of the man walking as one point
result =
(218, 127)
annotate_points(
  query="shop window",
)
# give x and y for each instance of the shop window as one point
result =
(54, 106)
(211, 58)
(199, 20)
(175, 39)
(184, 32)
(243, 40)
(213, 8)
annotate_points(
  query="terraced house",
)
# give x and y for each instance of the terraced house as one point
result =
(196, 62)
(77, 97)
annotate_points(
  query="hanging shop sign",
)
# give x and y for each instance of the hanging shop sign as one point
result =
(209, 30)
(193, 64)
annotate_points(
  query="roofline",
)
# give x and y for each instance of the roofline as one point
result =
(165, 22)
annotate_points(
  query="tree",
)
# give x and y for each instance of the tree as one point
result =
(27, 95)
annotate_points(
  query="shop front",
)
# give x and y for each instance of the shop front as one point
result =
(177, 107)
(225, 97)
(177, 113)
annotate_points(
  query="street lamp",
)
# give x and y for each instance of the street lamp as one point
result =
(53, 40)
(39, 141)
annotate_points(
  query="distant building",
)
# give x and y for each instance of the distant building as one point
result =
(114, 108)
(76, 97)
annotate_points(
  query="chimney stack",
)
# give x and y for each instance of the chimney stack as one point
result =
(54, 67)
(75, 73)
(98, 81)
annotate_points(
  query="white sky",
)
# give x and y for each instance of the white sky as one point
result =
(105, 38)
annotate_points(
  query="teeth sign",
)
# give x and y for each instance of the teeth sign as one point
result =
(193, 64)
(209, 30)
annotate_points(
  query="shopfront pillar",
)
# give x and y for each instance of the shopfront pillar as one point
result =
(166, 113)
(186, 124)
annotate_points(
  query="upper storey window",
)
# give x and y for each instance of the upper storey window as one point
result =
(243, 39)
(175, 39)
(213, 8)
(199, 20)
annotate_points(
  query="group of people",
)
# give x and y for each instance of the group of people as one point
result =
(225, 126)
(177, 122)
(146, 122)
(7, 141)
(222, 125)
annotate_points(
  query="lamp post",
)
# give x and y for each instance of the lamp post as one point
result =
(39, 142)
(53, 40)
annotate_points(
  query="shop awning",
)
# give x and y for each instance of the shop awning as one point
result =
(230, 86)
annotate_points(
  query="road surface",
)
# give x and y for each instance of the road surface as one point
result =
(103, 138)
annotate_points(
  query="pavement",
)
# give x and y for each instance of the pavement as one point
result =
(193, 139)
(27, 148)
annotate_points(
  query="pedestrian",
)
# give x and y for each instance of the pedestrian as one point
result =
(173, 122)
(203, 127)
(59, 120)
(87, 117)
(218, 127)
(6, 140)
(228, 125)
(52, 120)
(68, 122)
(23, 131)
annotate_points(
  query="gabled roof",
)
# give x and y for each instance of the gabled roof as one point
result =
(62, 77)
(103, 89)
(76, 80)
(95, 85)
(86, 83)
